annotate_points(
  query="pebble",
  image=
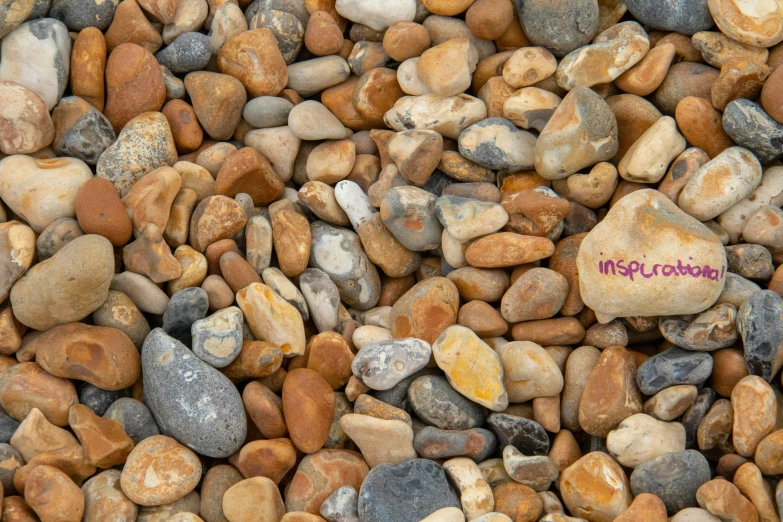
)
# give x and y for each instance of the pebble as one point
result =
(582, 131)
(134, 418)
(103, 498)
(381, 441)
(555, 26)
(383, 364)
(641, 438)
(723, 499)
(703, 248)
(751, 127)
(686, 18)
(308, 406)
(24, 131)
(524, 434)
(672, 367)
(407, 492)
(595, 486)
(673, 477)
(334, 472)
(36, 55)
(448, 116)
(755, 403)
(177, 471)
(175, 382)
(375, 16)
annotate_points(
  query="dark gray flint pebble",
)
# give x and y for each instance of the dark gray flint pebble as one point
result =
(297, 8)
(397, 395)
(406, 492)
(594, 443)
(436, 183)
(98, 400)
(683, 16)
(134, 417)
(686, 332)
(673, 477)
(526, 435)
(10, 461)
(488, 153)
(185, 308)
(8, 426)
(80, 14)
(751, 127)
(288, 30)
(190, 400)
(760, 323)
(339, 252)
(671, 367)
(476, 443)
(87, 138)
(695, 413)
(435, 402)
(560, 26)
(400, 205)
(188, 52)
(341, 506)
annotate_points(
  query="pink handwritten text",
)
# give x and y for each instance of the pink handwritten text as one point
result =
(631, 268)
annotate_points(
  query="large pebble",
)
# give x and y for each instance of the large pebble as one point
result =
(641, 438)
(67, 287)
(37, 55)
(595, 487)
(672, 477)
(436, 403)
(381, 365)
(762, 344)
(27, 130)
(182, 392)
(560, 27)
(672, 367)
(687, 17)
(748, 124)
(647, 246)
(581, 132)
(406, 492)
(374, 15)
(448, 116)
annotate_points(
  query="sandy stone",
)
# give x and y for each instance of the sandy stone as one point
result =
(448, 116)
(105, 443)
(702, 126)
(24, 130)
(724, 500)
(159, 470)
(595, 487)
(759, 27)
(134, 84)
(308, 405)
(151, 256)
(449, 350)
(104, 499)
(272, 318)
(610, 394)
(271, 459)
(265, 77)
(218, 100)
(53, 495)
(403, 40)
(649, 157)
(381, 441)
(754, 406)
(253, 499)
(641, 438)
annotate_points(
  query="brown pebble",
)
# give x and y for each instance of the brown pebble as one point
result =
(216, 482)
(130, 25)
(265, 410)
(425, 310)
(237, 272)
(53, 495)
(489, 19)
(323, 36)
(308, 406)
(271, 459)
(105, 443)
(184, 125)
(645, 507)
(754, 407)
(723, 499)
(684, 79)
(246, 170)
(728, 368)
(88, 64)
(253, 499)
(256, 360)
(26, 386)
(331, 357)
(215, 218)
(134, 84)
(403, 40)
(266, 74)
(292, 239)
(100, 211)
(320, 474)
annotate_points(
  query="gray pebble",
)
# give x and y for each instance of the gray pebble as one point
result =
(175, 88)
(297, 8)
(684, 16)
(217, 339)
(310, 77)
(760, 322)
(560, 26)
(267, 111)
(188, 52)
(58, 234)
(98, 400)
(322, 298)
(8, 426)
(185, 308)
(341, 506)
(134, 417)
(435, 402)
(406, 492)
(80, 14)
(87, 137)
(751, 261)
(671, 367)
(339, 253)
(397, 395)
(383, 364)
(191, 401)
(673, 477)
(40, 9)
(751, 127)
(437, 183)
(358, 62)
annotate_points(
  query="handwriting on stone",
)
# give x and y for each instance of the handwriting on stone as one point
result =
(630, 269)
